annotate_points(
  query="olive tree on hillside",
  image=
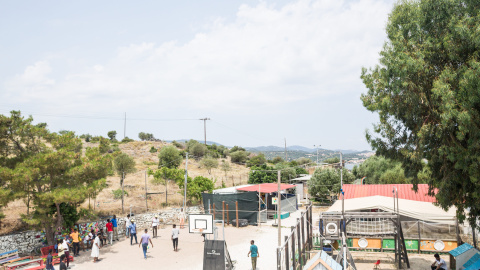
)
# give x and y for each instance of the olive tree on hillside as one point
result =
(124, 164)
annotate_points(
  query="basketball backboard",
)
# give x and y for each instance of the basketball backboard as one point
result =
(200, 224)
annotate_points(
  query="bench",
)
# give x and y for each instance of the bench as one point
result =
(8, 256)
(13, 266)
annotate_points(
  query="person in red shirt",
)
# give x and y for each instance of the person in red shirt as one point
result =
(109, 231)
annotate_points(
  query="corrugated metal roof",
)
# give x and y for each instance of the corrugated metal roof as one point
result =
(266, 187)
(474, 266)
(475, 258)
(405, 191)
(460, 250)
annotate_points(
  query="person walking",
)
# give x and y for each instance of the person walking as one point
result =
(439, 263)
(109, 227)
(95, 248)
(144, 242)
(182, 219)
(76, 243)
(133, 232)
(62, 262)
(155, 223)
(127, 226)
(66, 251)
(115, 228)
(49, 261)
(175, 233)
(254, 254)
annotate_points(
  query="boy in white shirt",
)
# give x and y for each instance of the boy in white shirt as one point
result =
(439, 264)
(175, 233)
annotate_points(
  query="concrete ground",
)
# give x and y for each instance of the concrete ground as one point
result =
(121, 255)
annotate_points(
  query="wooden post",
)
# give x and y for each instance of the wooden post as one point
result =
(236, 211)
(223, 212)
(214, 212)
(299, 243)
(287, 260)
(308, 230)
(419, 236)
(303, 238)
(228, 216)
(294, 261)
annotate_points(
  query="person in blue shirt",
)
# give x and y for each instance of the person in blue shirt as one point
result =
(255, 254)
(133, 232)
(115, 229)
(50, 261)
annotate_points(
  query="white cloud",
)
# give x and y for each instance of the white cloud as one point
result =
(266, 57)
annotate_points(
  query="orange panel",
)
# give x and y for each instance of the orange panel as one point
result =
(427, 245)
(373, 243)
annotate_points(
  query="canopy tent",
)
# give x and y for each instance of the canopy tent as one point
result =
(425, 211)
(266, 187)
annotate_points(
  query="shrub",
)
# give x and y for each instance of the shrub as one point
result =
(153, 149)
(117, 194)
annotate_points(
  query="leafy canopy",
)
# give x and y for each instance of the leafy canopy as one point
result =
(169, 157)
(326, 182)
(426, 90)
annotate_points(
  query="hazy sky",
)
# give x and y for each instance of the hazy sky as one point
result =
(261, 70)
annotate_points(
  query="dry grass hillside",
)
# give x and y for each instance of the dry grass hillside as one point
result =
(135, 186)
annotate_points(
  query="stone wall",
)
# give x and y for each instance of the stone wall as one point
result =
(27, 241)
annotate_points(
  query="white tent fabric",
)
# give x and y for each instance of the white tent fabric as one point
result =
(414, 209)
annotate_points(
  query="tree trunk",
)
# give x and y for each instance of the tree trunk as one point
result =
(123, 178)
(166, 192)
(49, 234)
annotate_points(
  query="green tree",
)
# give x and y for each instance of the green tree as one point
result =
(104, 145)
(332, 160)
(257, 160)
(325, 183)
(238, 157)
(209, 164)
(165, 174)
(197, 186)
(112, 134)
(146, 136)
(198, 150)
(262, 174)
(276, 160)
(46, 167)
(225, 166)
(124, 164)
(169, 157)
(374, 167)
(304, 161)
(426, 91)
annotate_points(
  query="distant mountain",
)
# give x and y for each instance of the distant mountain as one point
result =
(200, 141)
(270, 148)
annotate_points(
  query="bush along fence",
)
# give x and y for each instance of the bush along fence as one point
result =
(295, 251)
(29, 241)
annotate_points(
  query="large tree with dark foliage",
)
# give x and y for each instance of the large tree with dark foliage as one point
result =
(426, 90)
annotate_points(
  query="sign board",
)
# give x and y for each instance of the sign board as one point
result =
(274, 200)
(214, 255)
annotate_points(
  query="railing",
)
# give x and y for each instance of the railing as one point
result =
(294, 252)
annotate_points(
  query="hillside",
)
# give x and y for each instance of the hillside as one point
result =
(135, 186)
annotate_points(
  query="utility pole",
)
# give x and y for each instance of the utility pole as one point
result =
(205, 128)
(317, 146)
(286, 149)
(185, 186)
(123, 180)
(341, 171)
(125, 126)
(146, 191)
(279, 210)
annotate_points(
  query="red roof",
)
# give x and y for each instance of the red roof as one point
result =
(405, 191)
(266, 188)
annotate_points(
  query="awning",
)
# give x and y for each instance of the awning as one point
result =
(266, 188)
(425, 211)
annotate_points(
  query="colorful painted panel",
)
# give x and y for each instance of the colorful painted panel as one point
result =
(373, 243)
(411, 244)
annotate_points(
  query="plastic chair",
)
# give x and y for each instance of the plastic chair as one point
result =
(376, 265)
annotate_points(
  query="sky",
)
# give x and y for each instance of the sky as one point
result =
(262, 71)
